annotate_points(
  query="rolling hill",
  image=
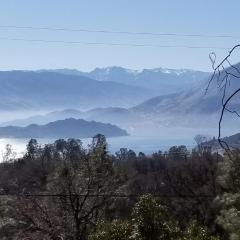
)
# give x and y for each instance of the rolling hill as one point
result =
(68, 128)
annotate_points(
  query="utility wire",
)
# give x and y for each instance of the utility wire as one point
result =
(111, 43)
(105, 195)
(120, 32)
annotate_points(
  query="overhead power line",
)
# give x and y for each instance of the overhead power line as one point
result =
(106, 195)
(111, 43)
(172, 34)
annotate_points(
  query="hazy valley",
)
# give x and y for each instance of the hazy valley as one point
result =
(135, 103)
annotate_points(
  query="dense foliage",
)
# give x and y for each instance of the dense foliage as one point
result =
(65, 191)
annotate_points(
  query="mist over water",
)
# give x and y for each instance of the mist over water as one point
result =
(155, 124)
(143, 136)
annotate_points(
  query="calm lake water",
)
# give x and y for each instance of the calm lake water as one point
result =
(149, 142)
(146, 144)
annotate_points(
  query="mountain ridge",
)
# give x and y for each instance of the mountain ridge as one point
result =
(68, 128)
(49, 90)
(165, 80)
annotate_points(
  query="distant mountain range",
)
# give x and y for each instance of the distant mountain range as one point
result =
(163, 80)
(68, 128)
(196, 100)
(100, 88)
(27, 90)
(191, 107)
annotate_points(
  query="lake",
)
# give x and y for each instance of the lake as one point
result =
(159, 139)
(146, 144)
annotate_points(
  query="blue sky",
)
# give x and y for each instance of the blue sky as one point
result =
(209, 17)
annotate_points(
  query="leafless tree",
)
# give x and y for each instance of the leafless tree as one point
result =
(224, 73)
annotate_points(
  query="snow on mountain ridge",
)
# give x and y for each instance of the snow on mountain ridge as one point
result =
(107, 70)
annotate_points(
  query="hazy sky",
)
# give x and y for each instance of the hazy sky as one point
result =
(209, 17)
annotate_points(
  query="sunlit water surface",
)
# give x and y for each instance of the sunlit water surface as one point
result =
(146, 144)
(162, 140)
